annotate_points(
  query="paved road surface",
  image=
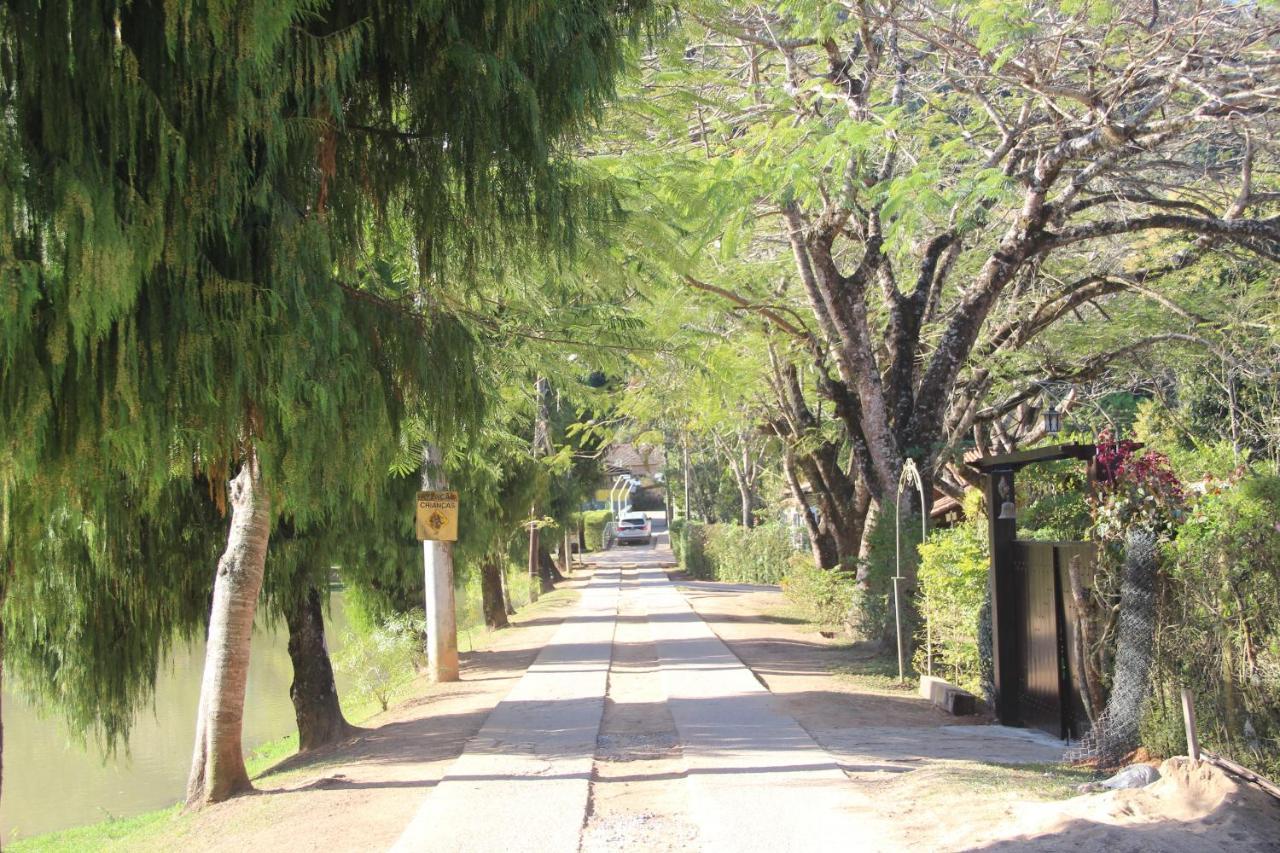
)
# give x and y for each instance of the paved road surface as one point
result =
(753, 778)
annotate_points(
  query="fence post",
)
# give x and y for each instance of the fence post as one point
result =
(1189, 720)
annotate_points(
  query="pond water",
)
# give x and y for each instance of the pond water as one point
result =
(52, 782)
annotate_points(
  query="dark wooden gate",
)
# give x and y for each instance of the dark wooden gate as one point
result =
(1038, 685)
(1045, 682)
(1034, 621)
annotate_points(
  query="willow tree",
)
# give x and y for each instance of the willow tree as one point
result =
(923, 201)
(186, 194)
(87, 632)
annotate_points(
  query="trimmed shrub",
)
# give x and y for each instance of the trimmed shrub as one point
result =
(953, 589)
(593, 522)
(732, 553)
(676, 533)
(693, 551)
(759, 554)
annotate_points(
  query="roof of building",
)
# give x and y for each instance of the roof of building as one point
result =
(644, 459)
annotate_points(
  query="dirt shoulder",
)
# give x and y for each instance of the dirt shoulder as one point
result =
(361, 794)
(950, 783)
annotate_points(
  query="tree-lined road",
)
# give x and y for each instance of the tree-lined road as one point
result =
(748, 776)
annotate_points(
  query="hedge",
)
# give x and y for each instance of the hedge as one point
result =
(732, 553)
(593, 522)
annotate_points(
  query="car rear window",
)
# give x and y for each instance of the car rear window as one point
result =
(631, 522)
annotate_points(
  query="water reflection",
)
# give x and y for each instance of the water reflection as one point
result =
(51, 782)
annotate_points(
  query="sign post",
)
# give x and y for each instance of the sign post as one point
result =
(436, 524)
(437, 516)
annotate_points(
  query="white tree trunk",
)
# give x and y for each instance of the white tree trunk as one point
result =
(217, 764)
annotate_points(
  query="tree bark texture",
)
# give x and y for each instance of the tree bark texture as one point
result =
(748, 497)
(314, 692)
(563, 566)
(217, 763)
(547, 572)
(492, 599)
(507, 604)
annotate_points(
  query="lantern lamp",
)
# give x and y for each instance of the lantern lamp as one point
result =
(1052, 421)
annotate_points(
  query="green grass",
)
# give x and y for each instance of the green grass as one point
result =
(358, 710)
(100, 836)
(878, 674)
(1030, 781)
(863, 667)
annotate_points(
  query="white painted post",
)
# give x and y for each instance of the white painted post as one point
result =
(688, 507)
(442, 622)
(897, 576)
(437, 564)
(910, 475)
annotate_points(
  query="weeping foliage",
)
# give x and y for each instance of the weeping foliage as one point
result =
(187, 196)
(113, 591)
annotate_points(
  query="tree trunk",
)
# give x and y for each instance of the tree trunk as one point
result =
(688, 507)
(563, 568)
(748, 504)
(217, 763)
(507, 606)
(492, 599)
(820, 543)
(547, 572)
(314, 693)
(869, 522)
(541, 448)
(533, 566)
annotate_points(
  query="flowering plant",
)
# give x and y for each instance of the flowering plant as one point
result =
(1135, 489)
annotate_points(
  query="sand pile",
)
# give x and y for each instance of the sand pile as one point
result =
(1193, 807)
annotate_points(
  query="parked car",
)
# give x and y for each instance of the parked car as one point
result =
(634, 527)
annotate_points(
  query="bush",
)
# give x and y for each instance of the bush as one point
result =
(732, 553)
(1052, 502)
(757, 554)
(825, 596)
(676, 534)
(693, 551)
(378, 661)
(953, 588)
(1220, 634)
(871, 607)
(593, 522)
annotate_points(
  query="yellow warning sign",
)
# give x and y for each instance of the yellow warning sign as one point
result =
(437, 516)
